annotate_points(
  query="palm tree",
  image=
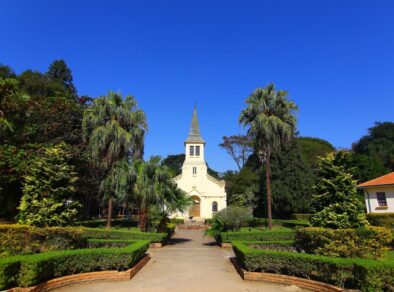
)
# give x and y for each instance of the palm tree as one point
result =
(154, 189)
(114, 129)
(272, 122)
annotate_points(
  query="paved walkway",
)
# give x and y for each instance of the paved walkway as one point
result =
(189, 263)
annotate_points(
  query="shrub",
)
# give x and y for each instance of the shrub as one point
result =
(103, 222)
(281, 245)
(364, 242)
(257, 236)
(23, 239)
(367, 275)
(96, 243)
(124, 234)
(47, 187)
(381, 219)
(301, 216)
(180, 221)
(30, 270)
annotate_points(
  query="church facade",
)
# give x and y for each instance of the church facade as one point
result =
(208, 193)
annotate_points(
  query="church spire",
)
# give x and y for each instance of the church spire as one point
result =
(194, 132)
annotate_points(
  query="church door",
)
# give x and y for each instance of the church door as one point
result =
(195, 208)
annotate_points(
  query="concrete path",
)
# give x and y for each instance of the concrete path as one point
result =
(189, 263)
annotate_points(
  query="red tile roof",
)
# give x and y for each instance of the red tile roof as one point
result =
(387, 179)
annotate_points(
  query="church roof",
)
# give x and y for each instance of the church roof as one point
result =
(194, 132)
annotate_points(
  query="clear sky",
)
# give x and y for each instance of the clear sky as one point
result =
(336, 59)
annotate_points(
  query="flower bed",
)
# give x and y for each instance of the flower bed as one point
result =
(29, 270)
(367, 275)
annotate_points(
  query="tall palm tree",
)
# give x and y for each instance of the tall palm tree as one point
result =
(114, 129)
(272, 122)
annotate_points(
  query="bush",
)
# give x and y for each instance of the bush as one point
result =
(281, 245)
(96, 243)
(23, 239)
(257, 236)
(103, 223)
(124, 234)
(381, 219)
(301, 216)
(30, 270)
(363, 242)
(178, 221)
(367, 275)
(292, 223)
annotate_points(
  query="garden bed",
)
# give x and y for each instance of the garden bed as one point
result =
(30, 270)
(367, 275)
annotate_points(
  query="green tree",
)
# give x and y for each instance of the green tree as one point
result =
(292, 181)
(378, 144)
(59, 72)
(271, 120)
(111, 127)
(311, 148)
(48, 189)
(336, 202)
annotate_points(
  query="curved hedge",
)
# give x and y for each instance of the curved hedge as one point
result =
(29, 270)
(367, 275)
(257, 235)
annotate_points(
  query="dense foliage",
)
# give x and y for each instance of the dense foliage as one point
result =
(268, 235)
(363, 242)
(48, 189)
(381, 219)
(335, 203)
(22, 239)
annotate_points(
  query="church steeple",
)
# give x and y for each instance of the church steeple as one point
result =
(194, 132)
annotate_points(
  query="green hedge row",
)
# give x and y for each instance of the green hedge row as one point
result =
(29, 270)
(364, 242)
(281, 245)
(22, 239)
(383, 219)
(97, 243)
(257, 235)
(103, 222)
(367, 275)
(91, 233)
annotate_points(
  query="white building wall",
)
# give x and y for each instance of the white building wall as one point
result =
(371, 200)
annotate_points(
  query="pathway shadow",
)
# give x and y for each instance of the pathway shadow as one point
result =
(178, 240)
(211, 243)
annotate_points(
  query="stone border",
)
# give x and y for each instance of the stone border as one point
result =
(85, 277)
(155, 245)
(226, 245)
(286, 280)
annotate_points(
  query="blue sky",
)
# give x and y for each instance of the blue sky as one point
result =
(334, 57)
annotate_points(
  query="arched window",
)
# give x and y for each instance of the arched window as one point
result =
(214, 207)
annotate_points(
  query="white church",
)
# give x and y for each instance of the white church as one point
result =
(208, 193)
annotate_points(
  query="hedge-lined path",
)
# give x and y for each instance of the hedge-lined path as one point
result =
(189, 263)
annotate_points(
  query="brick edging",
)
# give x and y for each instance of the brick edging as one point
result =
(286, 280)
(85, 277)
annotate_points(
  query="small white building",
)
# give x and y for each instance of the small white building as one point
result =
(379, 194)
(208, 193)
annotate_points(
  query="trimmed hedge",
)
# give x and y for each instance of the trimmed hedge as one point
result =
(381, 219)
(24, 239)
(292, 223)
(366, 242)
(178, 221)
(281, 245)
(127, 223)
(29, 270)
(367, 275)
(91, 233)
(257, 235)
(97, 243)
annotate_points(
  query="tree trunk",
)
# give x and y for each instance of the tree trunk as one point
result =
(268, 183)
(109, 216)
(143, 223)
